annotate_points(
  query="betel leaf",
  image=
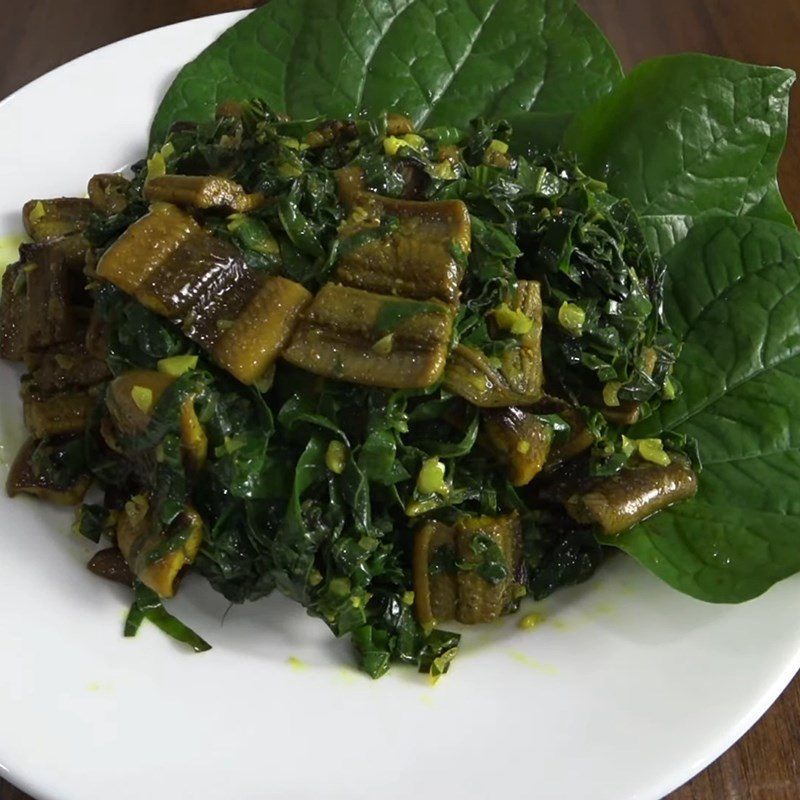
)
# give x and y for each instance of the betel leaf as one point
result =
(536, 131)
(732, 298)
(438, 61)
(689, 135)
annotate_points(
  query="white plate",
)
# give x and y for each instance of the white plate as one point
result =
(623, 693)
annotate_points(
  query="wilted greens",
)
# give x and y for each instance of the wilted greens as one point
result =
(471, 332)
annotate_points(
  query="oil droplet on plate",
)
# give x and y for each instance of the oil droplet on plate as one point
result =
(602, 610)
(296, 664)
(427, 699)
(531, 621)
(96, 687)
(532, 663)
(346, 675)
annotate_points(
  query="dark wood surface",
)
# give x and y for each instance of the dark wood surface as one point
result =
(37, 35)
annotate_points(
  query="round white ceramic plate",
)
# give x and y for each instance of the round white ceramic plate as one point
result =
(625, 691)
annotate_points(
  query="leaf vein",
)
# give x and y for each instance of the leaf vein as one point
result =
(459, 65)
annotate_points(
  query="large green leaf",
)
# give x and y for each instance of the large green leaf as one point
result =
(689, 135)
(439, 61)
(733, 299)
(535, 130)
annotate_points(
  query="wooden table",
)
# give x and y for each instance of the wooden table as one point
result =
(37, 35)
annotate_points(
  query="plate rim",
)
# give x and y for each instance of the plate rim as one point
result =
(673, 779)
(234, 15)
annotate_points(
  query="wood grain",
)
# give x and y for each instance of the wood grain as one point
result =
(759, 31)
(38, 35)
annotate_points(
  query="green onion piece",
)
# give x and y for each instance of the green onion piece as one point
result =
(147, 605)
(340, 587)
(173, 627)
(572, 318)
(314, 578)
(431, 478)
(336, 457)
(91, 521)
(611, 394)
(444, 171)
(441, 664)
(653, 450)
(37, 212)
(414, 141)
(383, 347)
(232, 444)
(391, 144)
(133, 621)
(143, 398)
(510, 320)
(157, 163)
(177, 365)
(287, 170)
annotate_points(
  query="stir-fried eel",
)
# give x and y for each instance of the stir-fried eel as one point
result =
(143, 545)
(111, 565)
(519, 439)
(202, 266)
(489, 552)
(405, 247)
(181, 272)
(580, 439)
(64, 366)
(55, 414)
(61, 222)
(372, 339)
(435, 584)
(476, 377)
(515, 377)
(203, 192)
(222, 298)
(51, 283)
(253, 341)
(618, 502)
(133, 396)
(145, 246)
(14, 313)
(470, 572)
(46, 220)
(108, 193)
(37, 471)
